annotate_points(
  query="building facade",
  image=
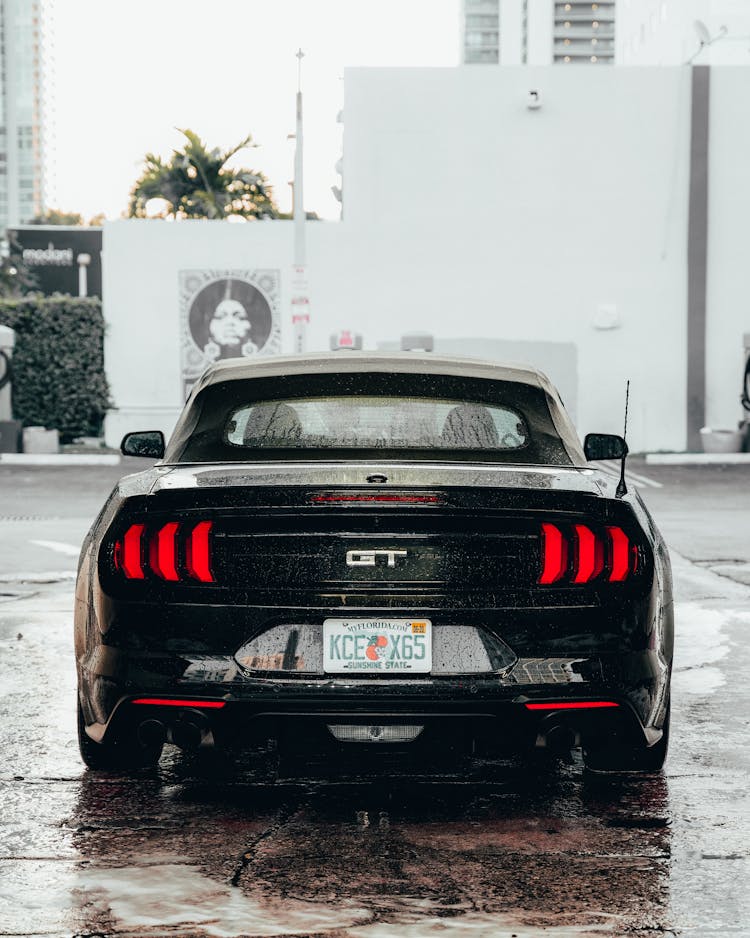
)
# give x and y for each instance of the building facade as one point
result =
(677, 32)
(582, 32)
(21, 111)
(537, 32)
(555, 234)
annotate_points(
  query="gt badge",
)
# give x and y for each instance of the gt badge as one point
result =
(368, 558)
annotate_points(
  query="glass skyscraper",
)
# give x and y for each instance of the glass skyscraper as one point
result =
(21, 111)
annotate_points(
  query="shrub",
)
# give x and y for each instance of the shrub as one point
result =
(58, 363)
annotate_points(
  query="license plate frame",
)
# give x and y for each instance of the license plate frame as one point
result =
(377, 646)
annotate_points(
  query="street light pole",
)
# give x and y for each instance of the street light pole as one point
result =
(299, 291)
(83, 262)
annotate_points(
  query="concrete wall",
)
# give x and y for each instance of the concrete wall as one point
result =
(484, 217)
(728, 288)
(469, 216)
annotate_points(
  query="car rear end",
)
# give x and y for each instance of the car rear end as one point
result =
(527, 605)
(373, 555)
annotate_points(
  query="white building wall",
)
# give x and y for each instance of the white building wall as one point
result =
(529, 222)
(141, 262)
(729, 244)
(469, 215)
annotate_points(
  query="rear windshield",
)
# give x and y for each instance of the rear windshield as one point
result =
(361, 422)
(368, 415)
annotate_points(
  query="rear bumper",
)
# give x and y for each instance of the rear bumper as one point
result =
(492, 709)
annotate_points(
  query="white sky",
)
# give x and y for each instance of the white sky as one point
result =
(128, 72)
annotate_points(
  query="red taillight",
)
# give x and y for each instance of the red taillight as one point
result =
(198, 552)
(554, 554)
(607, 553)
(163, 553)
(139, 553)
(131, 555)
(573, 705)
(620, 562)
(589, 554)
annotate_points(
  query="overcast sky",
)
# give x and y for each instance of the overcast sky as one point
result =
(128, 72)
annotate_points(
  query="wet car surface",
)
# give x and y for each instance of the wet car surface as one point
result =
(374, 549)
(207, 848)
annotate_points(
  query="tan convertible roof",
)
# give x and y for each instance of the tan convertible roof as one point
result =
(345, 362)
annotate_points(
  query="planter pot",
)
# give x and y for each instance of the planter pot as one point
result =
(40, 440)
(721, 441)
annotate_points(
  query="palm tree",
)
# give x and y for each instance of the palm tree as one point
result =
(197, 183)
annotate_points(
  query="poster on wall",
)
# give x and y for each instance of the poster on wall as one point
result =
(227, 314)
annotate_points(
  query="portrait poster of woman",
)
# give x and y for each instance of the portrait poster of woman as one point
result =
(227, 314)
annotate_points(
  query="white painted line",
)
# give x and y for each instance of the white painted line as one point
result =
(59, 459)
(70, 550)
(643, 480)
(697, 459)
(637, 480)
(52, 577)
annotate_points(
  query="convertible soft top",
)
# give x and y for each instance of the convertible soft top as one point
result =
(346, 362)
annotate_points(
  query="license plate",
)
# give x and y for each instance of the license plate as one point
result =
(390, 646)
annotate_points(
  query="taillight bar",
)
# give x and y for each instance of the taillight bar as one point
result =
(172, 702)
(554, 554)
(198, 552)
(131, 552)
(580, 554)
(382, 498)
(573, 705)
(161, 551)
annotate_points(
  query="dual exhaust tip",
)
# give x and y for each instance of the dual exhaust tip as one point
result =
(557, 739)
(190, 731)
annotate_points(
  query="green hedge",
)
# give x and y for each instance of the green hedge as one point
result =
(58, 363)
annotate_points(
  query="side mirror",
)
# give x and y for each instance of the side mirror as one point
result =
(148, 443)
(604, 446)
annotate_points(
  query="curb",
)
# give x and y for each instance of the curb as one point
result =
(697, 459)
(59, 459)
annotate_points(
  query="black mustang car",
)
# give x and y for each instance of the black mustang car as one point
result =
(369, 553)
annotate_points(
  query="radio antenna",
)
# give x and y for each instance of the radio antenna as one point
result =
(622, 488)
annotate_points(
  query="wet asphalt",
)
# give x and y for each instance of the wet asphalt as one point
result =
(517, 848)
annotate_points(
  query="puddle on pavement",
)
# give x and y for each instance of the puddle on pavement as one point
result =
(700, 645)
(374, 860)
(181, 899)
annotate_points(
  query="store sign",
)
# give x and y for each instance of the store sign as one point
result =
(53, 255)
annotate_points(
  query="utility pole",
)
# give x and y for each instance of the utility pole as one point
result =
(300, 299)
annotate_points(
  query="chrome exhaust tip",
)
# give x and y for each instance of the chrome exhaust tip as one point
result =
(151, 733)
(191, 731)
(558, 739)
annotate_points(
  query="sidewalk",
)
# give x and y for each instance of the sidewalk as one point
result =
(60, 459)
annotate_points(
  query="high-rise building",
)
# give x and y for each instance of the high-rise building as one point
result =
(584, 32)
(677, 32)
(538, 32)
(480, 36)
(21, 119)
